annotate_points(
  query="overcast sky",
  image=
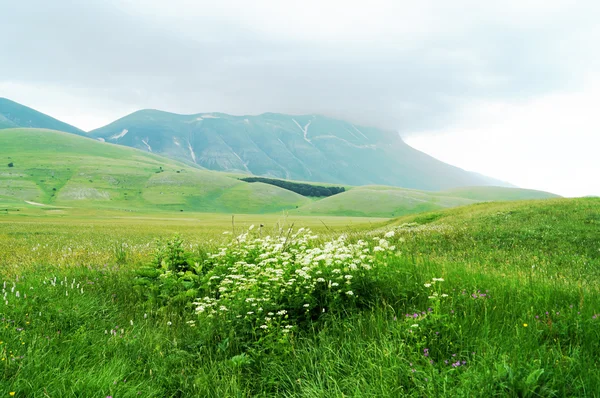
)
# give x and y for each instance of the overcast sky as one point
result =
(510, 89)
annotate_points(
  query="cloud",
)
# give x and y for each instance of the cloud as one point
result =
(548, 143)
(503, 88)
(397, 64)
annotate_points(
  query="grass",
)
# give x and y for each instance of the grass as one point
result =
(521, 317)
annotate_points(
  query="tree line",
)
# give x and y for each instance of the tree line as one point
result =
(298, 187)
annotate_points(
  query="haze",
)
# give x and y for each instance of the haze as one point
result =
(508, 90)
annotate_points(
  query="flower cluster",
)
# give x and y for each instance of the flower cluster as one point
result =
(269, 282)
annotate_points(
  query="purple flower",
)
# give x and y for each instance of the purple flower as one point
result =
(446, 362)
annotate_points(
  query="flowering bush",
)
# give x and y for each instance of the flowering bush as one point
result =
(273, 284)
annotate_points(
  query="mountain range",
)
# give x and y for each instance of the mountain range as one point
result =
(297, 147)
(13, 115)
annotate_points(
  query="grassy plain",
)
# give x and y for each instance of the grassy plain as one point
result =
(521, 316)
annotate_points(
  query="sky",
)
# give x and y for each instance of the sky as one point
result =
(508, 89)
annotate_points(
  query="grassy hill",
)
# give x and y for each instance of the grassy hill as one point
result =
(14, 115)
(59, 169)
(62, 169)
(497, 193)
(382, 201)
(305, 147)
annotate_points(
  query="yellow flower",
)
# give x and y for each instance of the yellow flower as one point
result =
(525, 325)
(12, 393)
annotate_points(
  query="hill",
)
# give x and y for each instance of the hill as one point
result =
(305, 148)
(57, 168)
(484, 194)
(382, 201)
(14, 115)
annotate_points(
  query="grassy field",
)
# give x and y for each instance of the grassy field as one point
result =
(491, 299)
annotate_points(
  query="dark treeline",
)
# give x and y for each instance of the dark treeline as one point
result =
(302, 189)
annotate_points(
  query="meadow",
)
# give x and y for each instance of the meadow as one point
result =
(490, 299)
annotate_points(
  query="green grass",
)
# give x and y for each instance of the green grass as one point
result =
(65, 170)
(522, 312)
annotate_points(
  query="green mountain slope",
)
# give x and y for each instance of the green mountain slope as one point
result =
(56, 168)
(306, 148)
(382, 201)
(14, 115)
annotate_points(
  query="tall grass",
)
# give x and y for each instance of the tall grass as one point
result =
(470, 303)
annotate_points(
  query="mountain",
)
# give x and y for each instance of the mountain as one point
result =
(60, 169)
(306, 148)
(14, 115)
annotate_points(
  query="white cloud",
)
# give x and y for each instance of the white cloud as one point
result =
(548, 143)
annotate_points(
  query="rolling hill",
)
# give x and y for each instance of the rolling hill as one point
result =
(59, 169)
(50, 167)
(384, 201)
(306, 148)
(14, 115)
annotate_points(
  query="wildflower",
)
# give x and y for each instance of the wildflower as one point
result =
(416, 325)
(525, 325)
(169, 323)
(12, 394)
(350, 293)
(427, 285)
(389, 234)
